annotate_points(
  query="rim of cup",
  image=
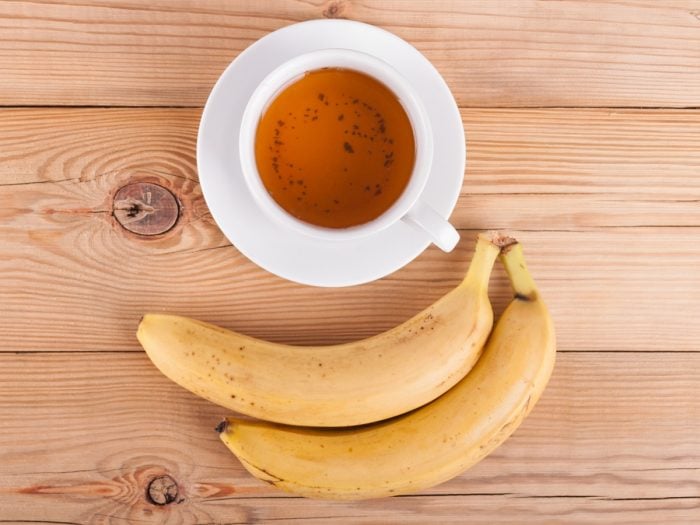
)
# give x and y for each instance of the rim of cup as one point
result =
(294, 69)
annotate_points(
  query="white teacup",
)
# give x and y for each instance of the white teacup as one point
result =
(408, 207)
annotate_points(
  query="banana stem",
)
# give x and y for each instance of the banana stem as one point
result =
(488, 246)
(520, 279)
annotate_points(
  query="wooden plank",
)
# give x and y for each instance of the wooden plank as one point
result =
(418, 510)
(526, 169)
(468, 510)
(615, 438)
(569, 53)
(82, 285)
(604, 263)
(39, 145)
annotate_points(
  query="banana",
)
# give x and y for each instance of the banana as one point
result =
(429, 445)
(341, 385)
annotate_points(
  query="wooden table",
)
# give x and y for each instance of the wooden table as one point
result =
(583, 141)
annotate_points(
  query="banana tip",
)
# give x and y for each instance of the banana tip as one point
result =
(144, 318)
(501, 240)
(140, 327)
(221, 427)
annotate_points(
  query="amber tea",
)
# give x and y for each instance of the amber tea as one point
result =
(335, 148)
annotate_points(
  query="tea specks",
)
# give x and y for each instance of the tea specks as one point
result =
(348, 147)
(388, 159)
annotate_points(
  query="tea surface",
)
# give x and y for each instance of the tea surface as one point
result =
(335, 148)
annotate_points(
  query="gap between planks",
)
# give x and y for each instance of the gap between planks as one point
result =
(138, 351)
(460, 106)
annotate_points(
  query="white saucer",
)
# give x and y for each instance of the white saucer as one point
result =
(283, 251)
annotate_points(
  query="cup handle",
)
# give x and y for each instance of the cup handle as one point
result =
(430, 222)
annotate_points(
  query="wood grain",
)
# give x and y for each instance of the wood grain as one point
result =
(606, 201)
(565, 53)
(588, 202)
(603, 288)
(83, 434)
(591, 168)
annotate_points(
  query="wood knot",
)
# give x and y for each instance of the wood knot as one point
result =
(334, 10)
(162, 490)
(145, 208)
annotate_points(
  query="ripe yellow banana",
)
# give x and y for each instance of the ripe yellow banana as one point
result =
(429, 445)
(348, 384)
